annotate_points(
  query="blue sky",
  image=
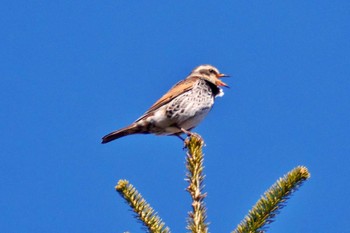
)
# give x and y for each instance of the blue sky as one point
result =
(73, 71)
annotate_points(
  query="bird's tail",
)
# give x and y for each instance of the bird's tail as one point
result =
(131, 129)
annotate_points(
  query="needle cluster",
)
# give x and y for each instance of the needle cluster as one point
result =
(144, 212)
(194, 164)
(273, 200)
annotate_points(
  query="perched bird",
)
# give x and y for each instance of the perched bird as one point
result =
(181, 109)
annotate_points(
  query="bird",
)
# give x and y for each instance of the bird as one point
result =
(181, 109)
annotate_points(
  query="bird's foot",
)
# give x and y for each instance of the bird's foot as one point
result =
(188, 138)
(191, 135)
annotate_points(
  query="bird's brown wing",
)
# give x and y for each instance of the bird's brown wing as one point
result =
(178, 89)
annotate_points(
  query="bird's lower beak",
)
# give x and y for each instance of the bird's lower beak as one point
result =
(221, 83)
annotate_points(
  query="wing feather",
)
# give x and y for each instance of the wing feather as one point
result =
(178, 89)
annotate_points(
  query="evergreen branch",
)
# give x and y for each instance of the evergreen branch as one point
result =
(144, 212)
(194, 164)
(272, 202)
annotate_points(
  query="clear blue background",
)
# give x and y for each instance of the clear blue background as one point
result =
(73, 71)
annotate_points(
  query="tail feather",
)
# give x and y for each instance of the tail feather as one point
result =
(131, 129)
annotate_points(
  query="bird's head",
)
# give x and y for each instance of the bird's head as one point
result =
(209, 73)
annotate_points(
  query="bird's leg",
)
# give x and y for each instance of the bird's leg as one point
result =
(186, 132)
(182, 139)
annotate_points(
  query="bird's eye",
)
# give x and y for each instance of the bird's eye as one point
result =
(212, 71)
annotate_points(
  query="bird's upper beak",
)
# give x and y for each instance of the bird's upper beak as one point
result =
(221, 83)
(223, 75)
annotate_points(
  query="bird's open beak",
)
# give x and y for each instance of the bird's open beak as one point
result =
(221, 83)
